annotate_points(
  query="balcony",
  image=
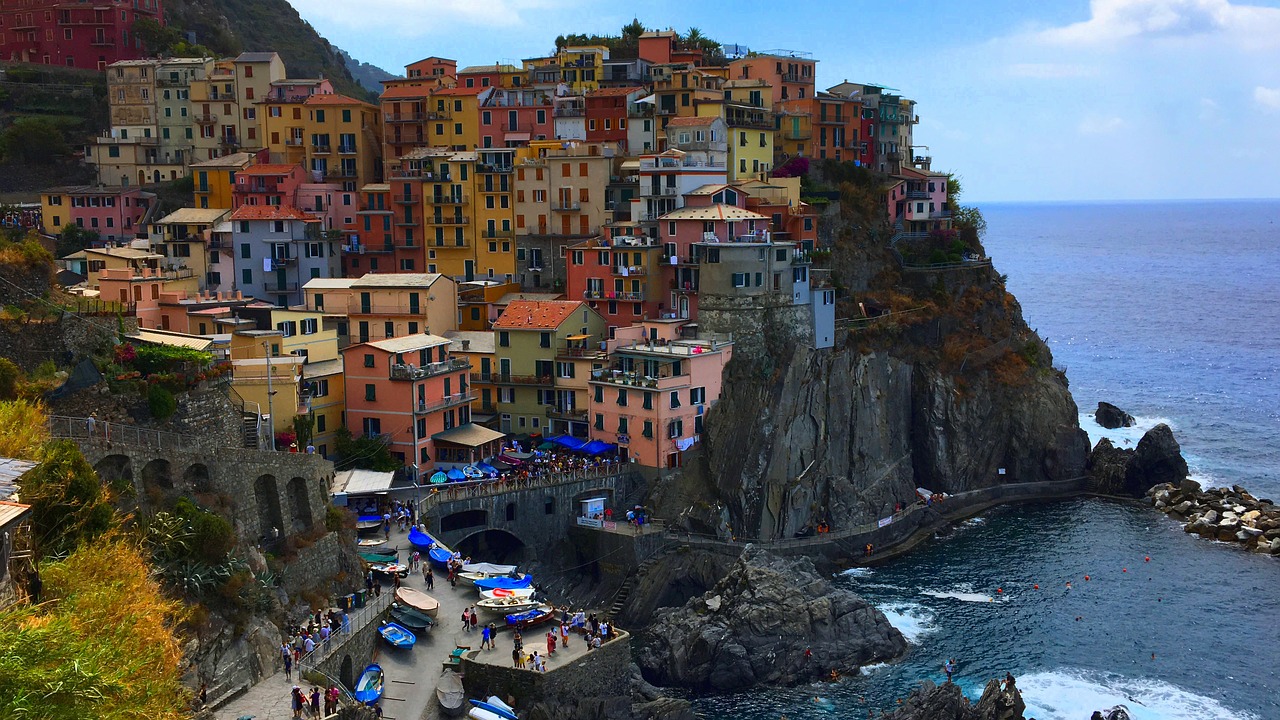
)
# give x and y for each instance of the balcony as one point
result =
(459, 199)
(613, 295)
(491, 168)
(282, 263)
(580, 352)
(414, 372)
(347, 150)
(439, 115)
(450, 244)
(507, 379)
(341, 172)
(321, 149)
(917, 195)
(791, 77)
(801, 258)
(498, 234)
(756, 123)
(440, 220)
(229, 141)
(572, 206)
(664, 111)
(569, 414)
(404, 117)
(205, 119)
(628, 270)
(615, 376)
(449, 401)
(568, 112)
(293, 142)
(280, 287)
(798, 134)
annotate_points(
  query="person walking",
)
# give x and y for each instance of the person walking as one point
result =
(91, 424)
(315, 702)
(564, 634)
(288, 665)
(466, 619)
(429, 577)
(484, 638)
(475, 618)
(515, 657)
(297, 701)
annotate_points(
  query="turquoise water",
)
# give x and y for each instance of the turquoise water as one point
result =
(1172, 312)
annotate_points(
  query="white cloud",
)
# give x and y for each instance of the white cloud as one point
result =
(1049, 70)
(1115, 20)
(1268, 98)
(1100, 125)
(420, 18)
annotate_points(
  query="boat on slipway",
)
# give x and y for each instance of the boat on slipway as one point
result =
(368, 688)
(419, 601)
(397, 635)
(450, 694)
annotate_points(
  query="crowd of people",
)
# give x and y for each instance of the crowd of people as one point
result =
(593, 630)
(306, 705)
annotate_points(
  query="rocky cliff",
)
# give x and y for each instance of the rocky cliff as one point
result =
(942, 387)
(946, 702)
(770, 620)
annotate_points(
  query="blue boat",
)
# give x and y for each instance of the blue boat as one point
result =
(398, 635)
(368, 523)
(530, 617)
(487, 469)
(368, 689)
(505, 583)
(501, 711)
(438, 477)
(456, 475)
(422, 541)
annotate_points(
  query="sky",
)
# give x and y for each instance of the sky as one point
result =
(1068, 100)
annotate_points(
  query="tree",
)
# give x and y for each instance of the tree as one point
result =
(967, 220)
(69, 505)
(304, 429)
(364, 453)
(9, 375)
(33, 141)
(632, 31)
(73, 239)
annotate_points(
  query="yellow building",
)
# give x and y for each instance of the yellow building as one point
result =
(215, 179)
(454, 117)
(582, 67)
(342, 138)
(183, 238)
(90, 262)
(532, 339)
(224, 104)
(281, 396)
(477, 347)
(478, 303)
(324, 390)
(747, 108)
(794, 136)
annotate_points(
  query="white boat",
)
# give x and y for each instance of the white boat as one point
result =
(521, 593)
(507, 605)
(488, 568)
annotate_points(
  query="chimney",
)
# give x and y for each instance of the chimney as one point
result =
(466, 345)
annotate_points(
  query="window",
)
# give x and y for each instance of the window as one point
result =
(675, 399)
(504, 338)
(371, 426)
(370, 392)
(697, 396)
(246, 277)
(320, 424)
(622, 426)
(544, 340)
(740, 280)
(622, 398)
(368, 360)
(648, 429)
(675, 429)
(648, 401)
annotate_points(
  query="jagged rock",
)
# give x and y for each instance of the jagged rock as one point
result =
(772, 609)
(1106, 467)
(1111, 417)
(947, 702)
(1157, 459)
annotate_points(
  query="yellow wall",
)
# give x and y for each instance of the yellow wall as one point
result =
(55, 211)
(249, 379)
(330, 407)
(454, 121)
(361, 120)
(214, 191)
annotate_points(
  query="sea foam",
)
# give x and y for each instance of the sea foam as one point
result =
(1070, 694)
(912, 620)
(1125, 437)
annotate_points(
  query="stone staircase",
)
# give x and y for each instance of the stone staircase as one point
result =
(249, 425)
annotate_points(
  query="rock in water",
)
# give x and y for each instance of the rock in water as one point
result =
(1106, 468)
(1157, 459)
(771, 611)
(947, 702)
(1111, 417)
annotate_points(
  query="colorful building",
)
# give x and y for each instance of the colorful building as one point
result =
(379, 306)
(277, 249)
(917, 198)
(406, 390)
(790, 76)
(652, 398)
(214, 180)
(608, 111)
(532, 339)
(89, 36)
(184, 237)
(116, 214)
(622, 279)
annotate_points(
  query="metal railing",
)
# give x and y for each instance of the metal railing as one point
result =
(74, 428)
(498, 486)
(354, 623)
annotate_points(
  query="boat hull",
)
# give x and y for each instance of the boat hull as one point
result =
(412, 619)
(419, 601)
(397, 635)
(368, 689)
(505, 593)
(450, 694)
(494, 708)
(505, 583)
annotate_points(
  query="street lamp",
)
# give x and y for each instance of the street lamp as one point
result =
(271, 416)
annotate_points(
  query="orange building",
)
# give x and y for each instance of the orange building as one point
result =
(790, 76)
(406, 390)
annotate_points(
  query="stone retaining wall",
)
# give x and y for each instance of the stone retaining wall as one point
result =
(598, 674)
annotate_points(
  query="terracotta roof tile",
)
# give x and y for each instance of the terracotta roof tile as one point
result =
(691, 121)
(605, 92)
(536, 314)
(334, 99)
(270, 212)
(269, 169)
(460, 91)
(407, 91)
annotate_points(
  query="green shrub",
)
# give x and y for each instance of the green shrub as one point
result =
(161, 402)
(9, 374)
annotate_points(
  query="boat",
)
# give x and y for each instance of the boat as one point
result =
(505, 593)
(419, 601)
(506, 605)
(450, 694)
(436, 550)
(411, 618)
(456, 475)
(368, 689)
(398, 635)
(495, 705)
(472, 472)
(487, 469)
(478, 713)
(390, 568)
(368, 523)
(488, 568)
(371, 542)
(505, 583)
(528, 618)
(438, 477)
(379, 556)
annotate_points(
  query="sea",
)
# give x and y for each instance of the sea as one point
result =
(1170, 310)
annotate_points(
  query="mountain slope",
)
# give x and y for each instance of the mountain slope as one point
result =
(229, 27)
(369, 76)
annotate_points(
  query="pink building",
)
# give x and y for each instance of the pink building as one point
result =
(918, 199)
(141, 287)
(114, 213)
(334, 207)
(652, 398)
(267, 185)
(408, 390)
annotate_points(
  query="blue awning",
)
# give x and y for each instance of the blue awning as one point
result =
(598, 447)
(569, 442)
(456, 474)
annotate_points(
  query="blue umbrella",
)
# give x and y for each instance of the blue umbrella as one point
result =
(569, 442)
(456, 474)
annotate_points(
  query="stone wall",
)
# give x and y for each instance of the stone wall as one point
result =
(532, 524)
(346, 663)
(603, 673)
(747, 318)
(331, 559)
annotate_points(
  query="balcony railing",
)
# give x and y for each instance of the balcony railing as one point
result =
(321, 149)
(459, 199)
(446, 221)
(340, 172)
(282, 263)
(492, 168)
(508, 379)
(449, 401)
(205, 119)
(347, 150)
(404, 117)
(613, 295)
(415, 372)
(628, 270)
(570, 414)
(277, 287)
(569, 112)
(293, 142)
(572, 206)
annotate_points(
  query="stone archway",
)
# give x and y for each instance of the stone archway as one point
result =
(300, 504)
(494, 545)
(157, 474)
(267, 496)
(115, 471)
(346, 673)
(196, 477)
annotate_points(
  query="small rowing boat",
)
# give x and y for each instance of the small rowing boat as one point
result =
(368, 523)
(390, 568)
(450, 694)
(419, 601)
(496, 707)
(379, 556)
(398, 635)
(411, 618)
(521, 593)
(507, 604)
(371, 542)
(528, 618)
(368, 689)
(505, 583)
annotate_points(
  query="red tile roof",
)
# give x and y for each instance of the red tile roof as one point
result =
(269, 169)
(270, 212)
(602, 92)
(536, 314)
(460, 91)
(407, 91)
(334, 99)
(690, 121)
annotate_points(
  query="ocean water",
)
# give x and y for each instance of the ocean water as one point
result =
(1172, 312)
